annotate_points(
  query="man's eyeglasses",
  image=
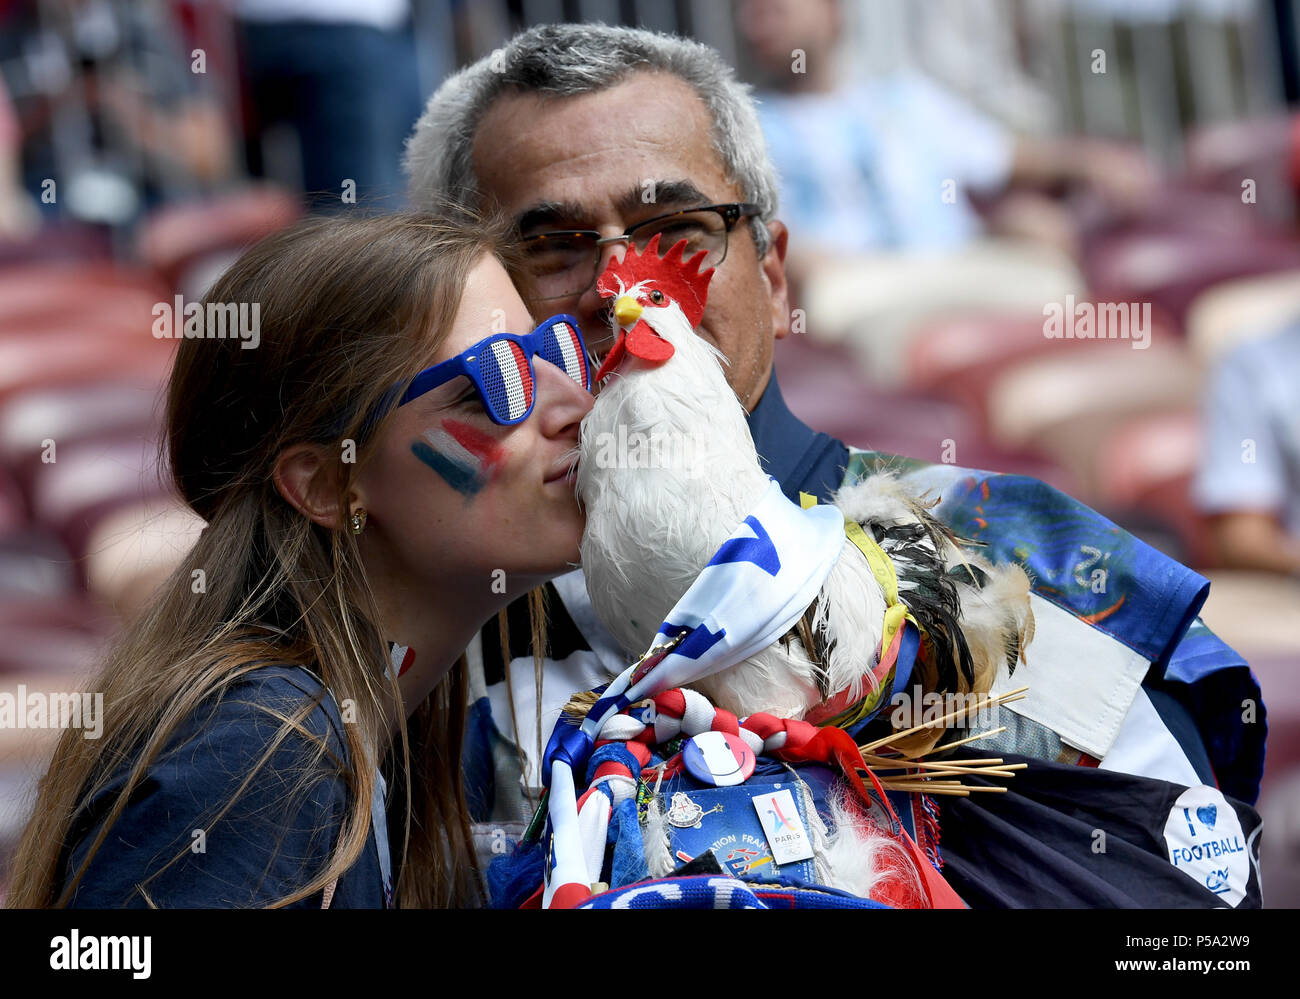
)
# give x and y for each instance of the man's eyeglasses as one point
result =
(563, 264)
(501, 368)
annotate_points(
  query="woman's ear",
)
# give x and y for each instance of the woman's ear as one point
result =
(308, 482)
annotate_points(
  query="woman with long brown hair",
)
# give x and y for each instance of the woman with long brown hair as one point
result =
(379, 475)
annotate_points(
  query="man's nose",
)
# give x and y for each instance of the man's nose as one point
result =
(594, 310)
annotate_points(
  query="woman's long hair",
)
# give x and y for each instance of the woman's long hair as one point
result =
(348, 308)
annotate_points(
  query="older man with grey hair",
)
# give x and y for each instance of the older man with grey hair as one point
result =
(604, 129)
(599, 137)
(596, 138)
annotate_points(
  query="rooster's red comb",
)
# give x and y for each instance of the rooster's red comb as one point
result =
(681, 280)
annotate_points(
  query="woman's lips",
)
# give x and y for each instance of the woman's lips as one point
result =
(567, 471)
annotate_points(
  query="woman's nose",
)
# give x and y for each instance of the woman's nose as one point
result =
(561, 402)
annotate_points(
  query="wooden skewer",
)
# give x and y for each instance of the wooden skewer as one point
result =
(981, 766)
(921, 786)
(983, 769)
(903, 760)
(951, 773)
(970, 738)
(995, 699)
(882, 772)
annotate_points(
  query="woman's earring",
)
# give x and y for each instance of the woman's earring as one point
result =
(358, 520)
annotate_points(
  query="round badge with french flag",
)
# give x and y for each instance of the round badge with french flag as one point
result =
(718, 759)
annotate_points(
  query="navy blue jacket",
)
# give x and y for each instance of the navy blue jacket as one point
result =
(266, 846)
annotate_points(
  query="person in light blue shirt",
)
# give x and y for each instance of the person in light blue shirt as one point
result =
(886, 163)
(864, 167)
(1249, 479)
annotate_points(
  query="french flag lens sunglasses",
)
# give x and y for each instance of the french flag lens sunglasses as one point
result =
(501, 368)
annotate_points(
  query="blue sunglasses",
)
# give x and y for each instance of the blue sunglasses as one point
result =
(501, 368)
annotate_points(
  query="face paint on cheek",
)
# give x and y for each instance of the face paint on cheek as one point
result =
(483, 446)
(454, 465)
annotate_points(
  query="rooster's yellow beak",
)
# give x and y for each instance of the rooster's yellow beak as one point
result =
(627, 310)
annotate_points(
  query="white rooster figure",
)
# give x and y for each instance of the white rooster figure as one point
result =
(651, 530)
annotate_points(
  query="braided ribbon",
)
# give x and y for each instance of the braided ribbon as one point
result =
(623, 749)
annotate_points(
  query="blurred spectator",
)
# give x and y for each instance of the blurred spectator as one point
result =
(18, 215)
(885, 163)
(342, 74)
(111, 108)
(1249, 479)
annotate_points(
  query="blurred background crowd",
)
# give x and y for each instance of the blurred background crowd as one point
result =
(951, 170)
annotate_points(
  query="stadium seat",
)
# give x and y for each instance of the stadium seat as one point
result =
(1224, 155)
(1177, 208)
(35, 564)
(58, 241)
(875, 303)
(962, 356)
(1068, 405)
(134, 548)
(13, 509)
(69, 612)
(129, 310)
(1147, 464)
(70, 413)
(1234, 312)
(175, 240)
(41, 288)
(1170, 270)
(92, 479)
(31, 362)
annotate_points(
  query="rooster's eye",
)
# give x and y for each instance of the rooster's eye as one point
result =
(657, 297)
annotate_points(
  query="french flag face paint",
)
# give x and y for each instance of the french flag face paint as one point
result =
(464, 457)
(501, 368)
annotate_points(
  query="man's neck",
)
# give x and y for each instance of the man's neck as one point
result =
(791, 452)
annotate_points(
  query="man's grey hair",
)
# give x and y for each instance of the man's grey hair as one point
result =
(568, 59)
